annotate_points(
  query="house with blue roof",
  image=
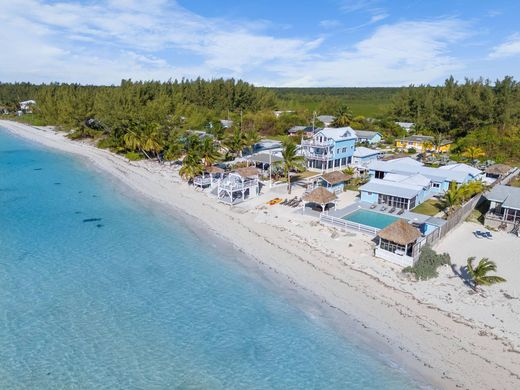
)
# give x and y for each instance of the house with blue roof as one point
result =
(405, 183)
(329, 149)
(363, 156)
(368, 137)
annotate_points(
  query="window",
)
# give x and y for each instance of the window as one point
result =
(337, 151)
(379, 174)
(336, 162)
(436, 185)
(343, 150)
(344, 161)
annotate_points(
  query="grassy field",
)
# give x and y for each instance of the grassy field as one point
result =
(369, 102)
(430, 207)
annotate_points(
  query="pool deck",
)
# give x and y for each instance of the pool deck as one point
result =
(408, 215)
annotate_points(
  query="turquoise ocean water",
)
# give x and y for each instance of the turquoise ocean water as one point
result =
(101, 291)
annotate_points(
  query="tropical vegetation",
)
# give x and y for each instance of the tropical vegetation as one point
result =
(426, 266)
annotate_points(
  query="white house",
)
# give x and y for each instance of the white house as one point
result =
(326, 119)
(407, 126)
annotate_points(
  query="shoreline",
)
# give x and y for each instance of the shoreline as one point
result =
(443, 347)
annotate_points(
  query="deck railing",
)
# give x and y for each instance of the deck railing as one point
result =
(343, 223)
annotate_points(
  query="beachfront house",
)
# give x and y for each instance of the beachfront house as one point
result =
(405, 183)
(326, 119)
(238, 186)
(397, 243)
(504, 207)
(368, 137)
(423, 143)
(329, 149)
(27, 106)
(406, 126)
(334, 181)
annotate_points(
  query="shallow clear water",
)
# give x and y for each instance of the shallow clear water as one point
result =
(370, 218)
(98, 290)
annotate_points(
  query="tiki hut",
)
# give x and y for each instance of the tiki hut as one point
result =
(321, 197)
(396, 242)
(334, 181)
(497, 171)
(247, 172)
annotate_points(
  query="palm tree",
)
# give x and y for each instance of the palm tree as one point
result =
(473, 152)
(250, 139)
(290, 160)
(191, 166)
(235, 142)
(471, 189)
(134, 141)
(479, 274)
(350, 171)
(208, 151)
(343, 118)
(451, 198)
(174, 148)
(153, 143)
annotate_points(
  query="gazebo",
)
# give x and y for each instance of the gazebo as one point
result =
(497, 171)
(397, 243)
(239, 185)
(210, 176)
(321, 197)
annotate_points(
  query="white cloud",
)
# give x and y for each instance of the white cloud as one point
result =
(330, 23)
(509, 48)
(398, 54)
(104, 41)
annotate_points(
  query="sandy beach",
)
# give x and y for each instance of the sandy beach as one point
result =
(439, 329)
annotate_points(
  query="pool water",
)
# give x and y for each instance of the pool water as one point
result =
(370, 218)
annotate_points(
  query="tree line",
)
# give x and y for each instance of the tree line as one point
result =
(474, 113)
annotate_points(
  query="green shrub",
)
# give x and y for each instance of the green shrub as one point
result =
(412, 150)
(133, 156)
(426, 267)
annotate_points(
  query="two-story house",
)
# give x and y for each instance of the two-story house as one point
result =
(329, 149)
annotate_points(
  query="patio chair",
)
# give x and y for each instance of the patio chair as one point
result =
(478, 234)
(487, 235)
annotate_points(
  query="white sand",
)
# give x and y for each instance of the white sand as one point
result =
(437, 329)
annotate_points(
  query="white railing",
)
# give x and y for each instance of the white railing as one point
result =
(402, 260)
(231, 185)
(313, 142)
(202, 181)
(343, 223)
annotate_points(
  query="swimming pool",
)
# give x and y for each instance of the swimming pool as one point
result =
(370, 218)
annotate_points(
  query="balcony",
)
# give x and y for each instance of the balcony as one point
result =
(316, 143)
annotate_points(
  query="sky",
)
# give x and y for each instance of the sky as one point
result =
(325, 43)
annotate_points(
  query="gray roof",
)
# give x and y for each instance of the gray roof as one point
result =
(365, 152)
(304, 129)
(337, 133)
(366, 134)
(408, 166)
(508, 196)
(380, 187)
(326, 118)
(264, 158)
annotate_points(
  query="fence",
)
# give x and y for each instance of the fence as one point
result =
(343, 223)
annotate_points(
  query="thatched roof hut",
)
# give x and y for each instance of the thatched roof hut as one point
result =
(400, 232)
(320, 196)
(247, 171)
(335, 177)
(212, 170)
(498, 169)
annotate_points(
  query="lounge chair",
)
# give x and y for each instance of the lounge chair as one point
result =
(487, 235)
(373, 206)
(285, 202)
(400, 212)
(392, 210)
(383, 208)
(297, 203)
(478, 234)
